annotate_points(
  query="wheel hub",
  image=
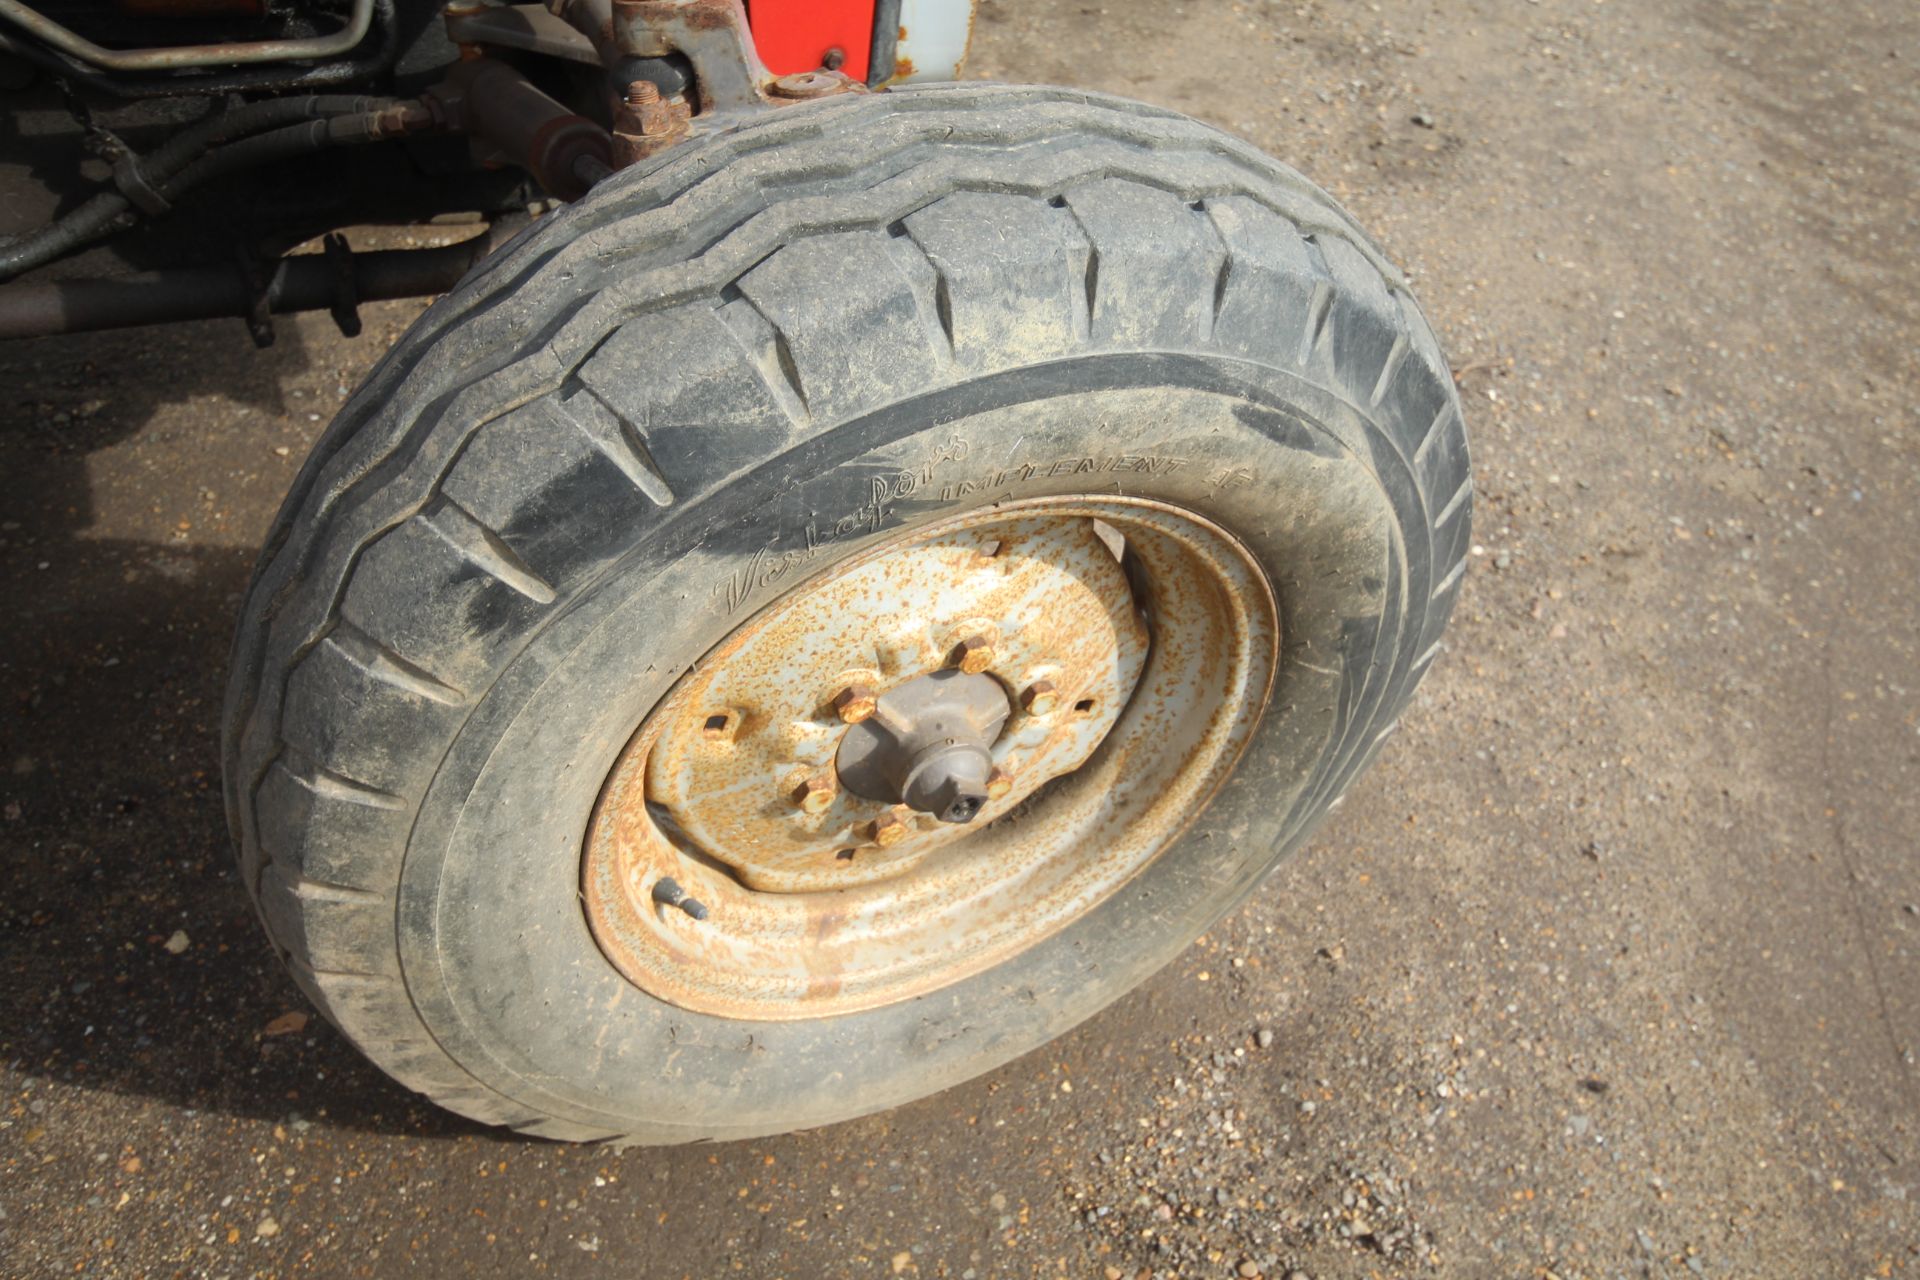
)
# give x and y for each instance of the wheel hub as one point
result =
(860, 784)
(929, 745)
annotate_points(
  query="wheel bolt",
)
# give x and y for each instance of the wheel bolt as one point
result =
(887, 830)
(999, 783)
(972, 655)
(1039, 698)
(854, 703)
(815, 795)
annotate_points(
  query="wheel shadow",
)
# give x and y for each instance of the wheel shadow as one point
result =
(133, 962)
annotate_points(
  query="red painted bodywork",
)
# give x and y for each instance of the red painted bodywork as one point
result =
(794, 35)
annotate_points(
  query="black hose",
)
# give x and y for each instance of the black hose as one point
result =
(182, 162)
(67, 233)
(255, 117)
(262, 80)
(264, 148)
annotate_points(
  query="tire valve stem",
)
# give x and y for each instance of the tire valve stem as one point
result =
(668, 893)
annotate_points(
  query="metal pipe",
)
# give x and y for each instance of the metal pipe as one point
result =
(264, 79)
(232, 53)
(303, 282)
(497, 105)
(882, 58)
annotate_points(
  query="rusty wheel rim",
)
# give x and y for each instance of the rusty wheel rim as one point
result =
(729, 869)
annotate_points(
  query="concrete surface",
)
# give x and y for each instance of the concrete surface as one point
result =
(1610, 968)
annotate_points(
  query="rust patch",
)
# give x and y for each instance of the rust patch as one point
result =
(1150, 638)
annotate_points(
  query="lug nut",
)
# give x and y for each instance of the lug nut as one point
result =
(1040, 698)
(972, 655)
(999, 783)
(854, 703)
(887, 830)
(815, 795)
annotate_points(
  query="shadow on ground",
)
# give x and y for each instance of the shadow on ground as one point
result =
(115, 653)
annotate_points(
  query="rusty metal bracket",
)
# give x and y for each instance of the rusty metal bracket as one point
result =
(713, 36)
(529, 28)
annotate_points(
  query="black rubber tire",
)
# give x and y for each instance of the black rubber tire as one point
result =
(660, 408)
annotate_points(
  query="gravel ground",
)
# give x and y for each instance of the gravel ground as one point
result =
(1610, 968)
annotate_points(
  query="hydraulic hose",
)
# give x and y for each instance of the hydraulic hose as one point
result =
(195, 155)
(299, 139)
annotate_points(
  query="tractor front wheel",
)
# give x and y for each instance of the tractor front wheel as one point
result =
(835, 608)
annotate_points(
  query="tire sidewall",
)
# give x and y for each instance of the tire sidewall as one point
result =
(494, 944)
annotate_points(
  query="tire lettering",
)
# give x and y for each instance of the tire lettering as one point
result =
(1131, 463)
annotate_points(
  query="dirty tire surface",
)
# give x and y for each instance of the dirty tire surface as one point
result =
(661, 408)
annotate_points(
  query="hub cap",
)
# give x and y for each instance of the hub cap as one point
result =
(929, 745)
(929, 759)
